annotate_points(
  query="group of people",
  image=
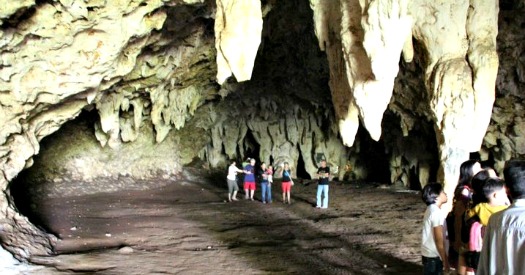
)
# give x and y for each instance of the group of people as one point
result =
(264, 175)
(484, 233)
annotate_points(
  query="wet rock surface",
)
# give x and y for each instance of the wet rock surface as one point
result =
(187, 227)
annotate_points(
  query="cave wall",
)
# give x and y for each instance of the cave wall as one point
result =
(60, 57)
(71, 162)
(505, 138)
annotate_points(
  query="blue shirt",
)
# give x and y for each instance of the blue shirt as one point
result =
(287, 176)
(249, 177)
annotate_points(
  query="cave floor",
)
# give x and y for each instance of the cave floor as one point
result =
(187, 227)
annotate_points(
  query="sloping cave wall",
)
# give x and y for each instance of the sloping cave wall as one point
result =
(148, 68)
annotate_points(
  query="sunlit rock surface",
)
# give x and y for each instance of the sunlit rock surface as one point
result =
(415, 76)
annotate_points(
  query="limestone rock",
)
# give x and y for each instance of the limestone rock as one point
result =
(238, 27)
(373, 35)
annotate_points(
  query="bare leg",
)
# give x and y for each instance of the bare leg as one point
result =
(251, 194)
(284, 197)
(234, 195)
(246, 193)
(288, 194)
(462, 266)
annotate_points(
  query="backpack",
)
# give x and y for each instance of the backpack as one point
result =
(474, 244)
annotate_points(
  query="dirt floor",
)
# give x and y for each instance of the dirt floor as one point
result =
(187, 227)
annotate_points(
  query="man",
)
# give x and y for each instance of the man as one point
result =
(503, 249)
(323, 175)
(249, 180)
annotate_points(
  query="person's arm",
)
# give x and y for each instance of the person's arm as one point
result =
(440, 245)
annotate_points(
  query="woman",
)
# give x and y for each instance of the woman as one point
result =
(287, 182)
(462, 198)
(231, 179)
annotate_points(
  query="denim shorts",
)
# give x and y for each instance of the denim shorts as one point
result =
(432, 266)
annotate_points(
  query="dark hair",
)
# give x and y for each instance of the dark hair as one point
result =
(430, 193)
(490, 186)
(477, 182)
(514, 173)
(465, 175)
(465, 172)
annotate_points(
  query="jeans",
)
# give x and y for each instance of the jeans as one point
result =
(432, 266)
(266, 190)
(322, 189)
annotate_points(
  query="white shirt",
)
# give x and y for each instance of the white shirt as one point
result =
(232, 172)
(433, 217)
(503, 249)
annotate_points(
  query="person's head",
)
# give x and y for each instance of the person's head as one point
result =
(270, 167)
(323, 163)
(477, 182)
(252, 162)
(232, 162)
(494, 192)
(286, 165)
(433, 193)
(514, 173)
(263, 166)
(467, 170)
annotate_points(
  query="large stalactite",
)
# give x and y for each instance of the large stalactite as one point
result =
(459, 40)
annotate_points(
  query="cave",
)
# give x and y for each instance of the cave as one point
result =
(142, 104)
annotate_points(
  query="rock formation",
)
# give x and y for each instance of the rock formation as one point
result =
(459, 44)
(156, 77)
(238, 28)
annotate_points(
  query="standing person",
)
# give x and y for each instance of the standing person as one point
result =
(462, 199)
(323, 175)
(503, 250)
(493, 198)
(249, 180)
(231, 179)
(287, 182)
(266, 187)
(433, 240)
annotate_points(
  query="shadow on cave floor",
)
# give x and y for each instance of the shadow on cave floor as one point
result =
(186, 227)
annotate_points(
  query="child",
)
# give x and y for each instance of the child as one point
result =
(493, 198)
(270, 174)
(433, 234)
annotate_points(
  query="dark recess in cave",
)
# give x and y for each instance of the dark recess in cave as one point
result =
(301, 169)
(24, 187)
(251, 147)
(414, 183)
(373, 155)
